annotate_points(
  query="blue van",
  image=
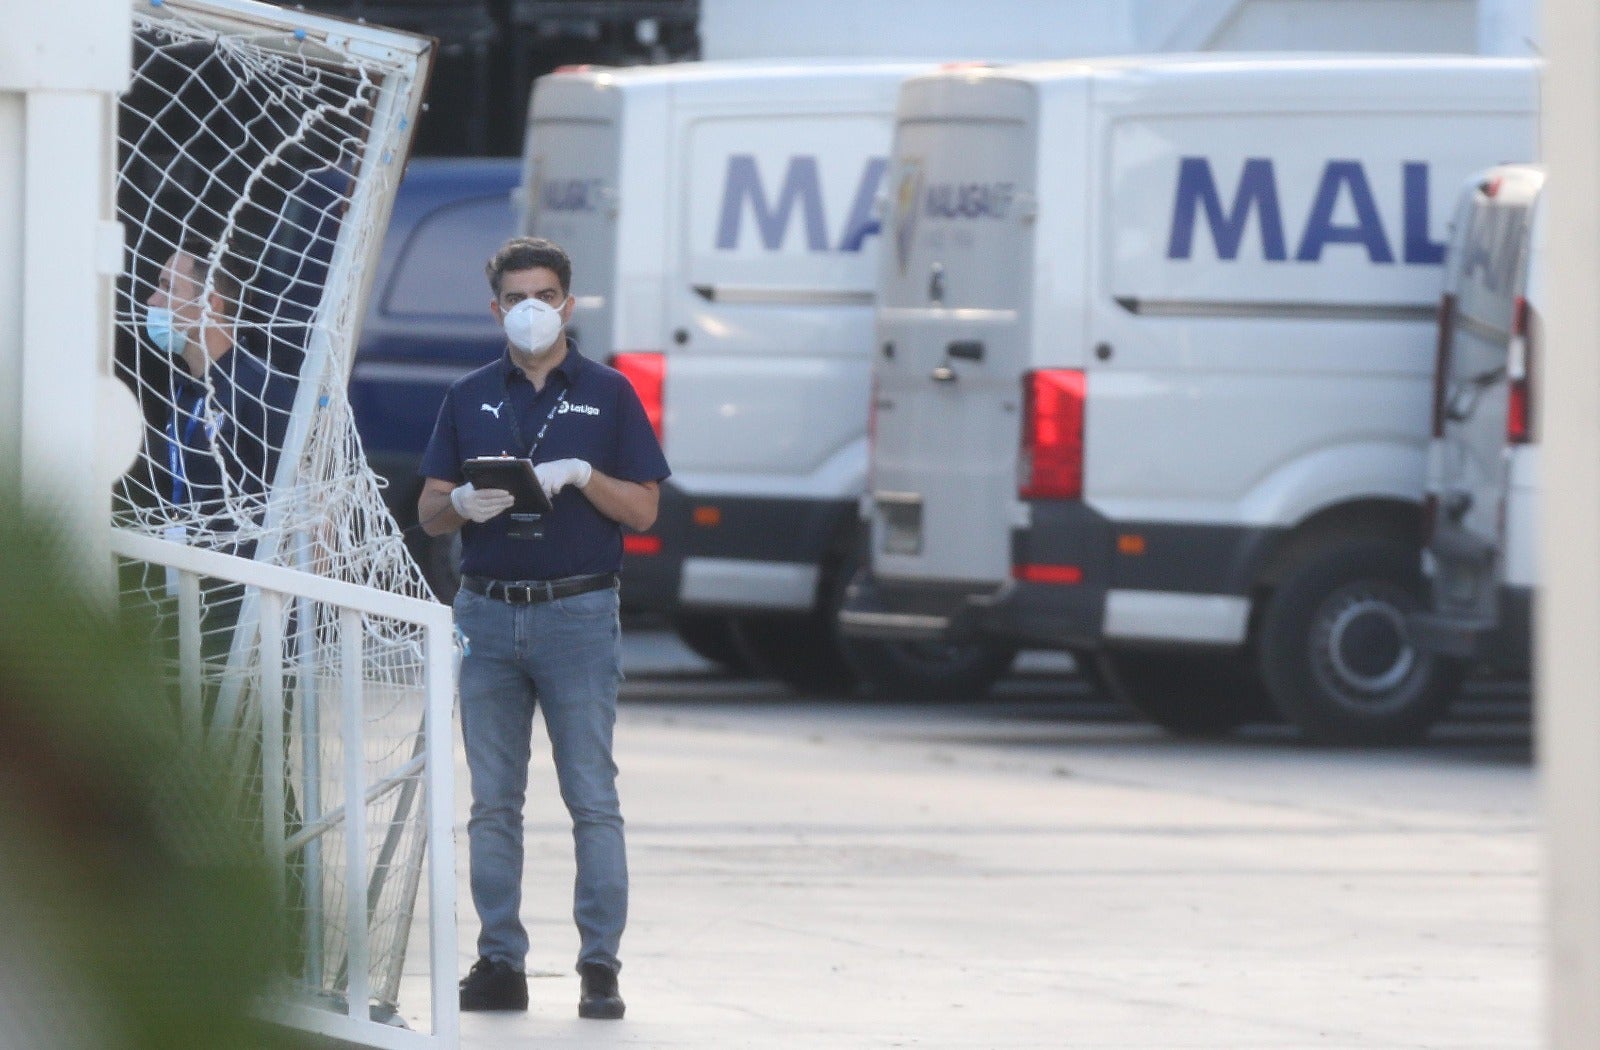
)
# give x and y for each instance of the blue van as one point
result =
(427, 324)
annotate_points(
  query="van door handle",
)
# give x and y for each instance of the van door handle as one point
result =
(966, 349)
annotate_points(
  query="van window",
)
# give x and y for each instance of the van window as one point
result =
(1491, 261)
(440, 272)
(1493, 254)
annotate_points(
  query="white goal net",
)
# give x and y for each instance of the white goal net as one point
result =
(258, 154)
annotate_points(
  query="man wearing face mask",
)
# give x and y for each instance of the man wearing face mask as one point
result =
(224, 424)
(539, 615)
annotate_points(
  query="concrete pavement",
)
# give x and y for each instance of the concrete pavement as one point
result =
(1040, 872)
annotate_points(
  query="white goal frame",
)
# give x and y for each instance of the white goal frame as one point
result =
(280, 583)
(275, 586)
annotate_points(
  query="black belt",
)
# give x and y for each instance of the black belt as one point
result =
(531, 592)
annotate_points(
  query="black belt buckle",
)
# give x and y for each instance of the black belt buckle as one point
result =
(520, 594)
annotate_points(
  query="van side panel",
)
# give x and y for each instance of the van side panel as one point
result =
(1266, 283)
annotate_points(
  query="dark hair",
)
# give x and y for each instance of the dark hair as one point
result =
(526, 253)
(227, 277)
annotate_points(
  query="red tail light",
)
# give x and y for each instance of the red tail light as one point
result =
(1519, 370)
(1058, 574)
(644, 544)
(1051, 465)
(647, 371)
(1441, 360)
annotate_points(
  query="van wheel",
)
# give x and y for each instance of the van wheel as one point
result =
(929, 670)
(1337, 656)
(800, 650)
(711, 637)
(1187, 694)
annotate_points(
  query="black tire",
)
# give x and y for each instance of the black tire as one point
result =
(928, 671)
(1336, 654)
(801, 650)
(711, 637)
(1187, 694)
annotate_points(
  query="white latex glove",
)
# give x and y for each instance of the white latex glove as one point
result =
(559, 473)
(479, 505)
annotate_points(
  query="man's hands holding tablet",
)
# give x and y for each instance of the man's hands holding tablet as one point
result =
(479, 505)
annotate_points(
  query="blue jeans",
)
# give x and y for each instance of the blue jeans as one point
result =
(563, 656)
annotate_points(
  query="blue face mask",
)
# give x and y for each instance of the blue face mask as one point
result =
(158, 326)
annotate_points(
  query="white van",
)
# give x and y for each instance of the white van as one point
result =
(1152, 383)
(721, 222)
(1480, 513)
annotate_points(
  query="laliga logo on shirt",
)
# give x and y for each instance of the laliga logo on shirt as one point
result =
(568, 406)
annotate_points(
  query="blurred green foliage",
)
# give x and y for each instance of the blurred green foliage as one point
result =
(138, 909)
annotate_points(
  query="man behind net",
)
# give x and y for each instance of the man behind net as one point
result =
(538, 609)
(226, 414)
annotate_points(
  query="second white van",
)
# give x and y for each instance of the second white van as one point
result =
(1155, 347)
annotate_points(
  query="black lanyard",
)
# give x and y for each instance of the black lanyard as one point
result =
(516, 428)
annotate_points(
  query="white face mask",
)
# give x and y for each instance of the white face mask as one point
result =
(532, 326)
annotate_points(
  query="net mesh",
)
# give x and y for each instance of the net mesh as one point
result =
(257, 161)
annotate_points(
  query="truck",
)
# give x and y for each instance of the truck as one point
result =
(1153, 367)
(1480, 509)
(722, 225)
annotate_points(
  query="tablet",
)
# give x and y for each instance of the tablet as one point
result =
(515, 475)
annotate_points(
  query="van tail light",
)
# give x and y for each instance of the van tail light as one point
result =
(1441, 360)
(647, 371)
(1051, 463)
(1519, 372)
(1061, 575)
(640, 544)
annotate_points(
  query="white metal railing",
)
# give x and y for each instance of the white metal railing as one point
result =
(271, 587)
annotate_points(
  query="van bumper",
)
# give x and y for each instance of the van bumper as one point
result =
(1020, 614)
(1014, 612)
(736, 554)
(1504, 640)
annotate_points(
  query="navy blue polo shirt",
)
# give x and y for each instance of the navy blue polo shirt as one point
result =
(601, 422)
(236, 416)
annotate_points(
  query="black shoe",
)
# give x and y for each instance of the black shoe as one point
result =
(494, 985)
(600, 1001)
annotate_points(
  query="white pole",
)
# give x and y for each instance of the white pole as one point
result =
(1568, 708)
(61, 67)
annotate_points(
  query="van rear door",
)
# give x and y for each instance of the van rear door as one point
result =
(953, 329)
(1485, 333)
(771, 312)
(570, 179)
